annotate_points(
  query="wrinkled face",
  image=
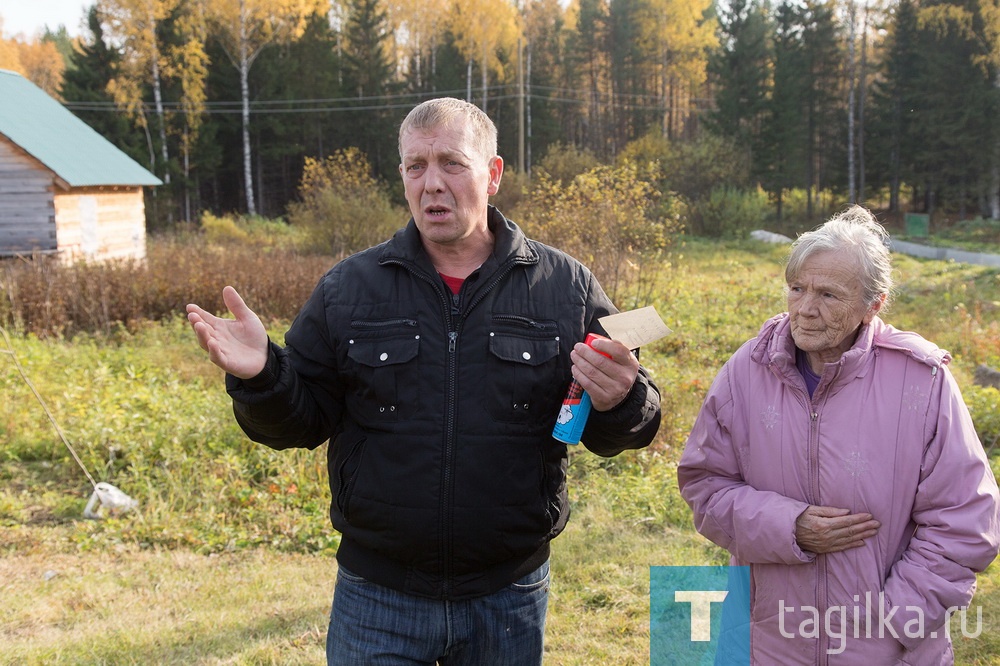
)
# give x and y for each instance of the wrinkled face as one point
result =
(826, 305)
(447, 182)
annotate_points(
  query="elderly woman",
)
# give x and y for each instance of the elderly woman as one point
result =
(835, 457)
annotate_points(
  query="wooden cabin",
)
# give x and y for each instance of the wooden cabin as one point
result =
(64, 188)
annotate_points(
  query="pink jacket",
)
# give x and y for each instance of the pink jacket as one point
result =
(886, 432)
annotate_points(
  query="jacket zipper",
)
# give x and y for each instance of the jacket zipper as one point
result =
(453, 327)
(821, 562)
(382, 324)
(451, 434)
(821, 658)
(530, 323)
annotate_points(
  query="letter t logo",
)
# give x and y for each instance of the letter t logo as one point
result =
(701, 610)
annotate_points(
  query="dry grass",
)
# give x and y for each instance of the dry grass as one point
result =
(123, 606)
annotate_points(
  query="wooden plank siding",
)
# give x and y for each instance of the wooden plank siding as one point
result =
(98, 223)
(27, 209)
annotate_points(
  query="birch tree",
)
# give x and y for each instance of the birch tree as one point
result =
(419, 30)
(132, 25)
(189, 65)
(483, 30)
(39, 61)
(683, 37)
(244, 28)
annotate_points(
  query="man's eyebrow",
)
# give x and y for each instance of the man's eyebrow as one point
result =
(454, 154)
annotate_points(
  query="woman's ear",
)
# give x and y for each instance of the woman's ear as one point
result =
(874, 308)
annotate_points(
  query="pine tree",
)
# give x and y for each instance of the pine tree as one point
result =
(84, 90)
(587, 72)
(957, 98)
(823, 104)
(305, 69)
(784, 137)
(369, 77)
(891, 137)
(739, 71)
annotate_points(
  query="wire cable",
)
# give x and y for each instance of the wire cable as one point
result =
(38, 396)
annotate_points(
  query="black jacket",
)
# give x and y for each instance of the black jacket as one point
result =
(446, 480)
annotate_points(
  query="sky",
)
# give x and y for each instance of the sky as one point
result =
(29, 17)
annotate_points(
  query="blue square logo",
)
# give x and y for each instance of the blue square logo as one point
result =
(699, 616)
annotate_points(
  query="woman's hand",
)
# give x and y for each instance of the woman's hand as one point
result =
(827, 529)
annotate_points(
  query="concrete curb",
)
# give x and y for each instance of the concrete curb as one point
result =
(944, 253)
(905, 247)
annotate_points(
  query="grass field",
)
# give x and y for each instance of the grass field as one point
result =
(230, 559)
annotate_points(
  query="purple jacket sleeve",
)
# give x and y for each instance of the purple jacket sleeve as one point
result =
(755, 526)
(957, 528)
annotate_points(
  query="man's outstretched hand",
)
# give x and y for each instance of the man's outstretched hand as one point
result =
(238, 346)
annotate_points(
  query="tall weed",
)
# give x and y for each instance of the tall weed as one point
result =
(46, 298)
(344, 208)
(610, 218)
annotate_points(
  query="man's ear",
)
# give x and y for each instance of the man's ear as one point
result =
(496, 173)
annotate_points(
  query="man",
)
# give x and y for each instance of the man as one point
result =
(435, 363)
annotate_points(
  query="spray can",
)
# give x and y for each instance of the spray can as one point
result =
(575, 407)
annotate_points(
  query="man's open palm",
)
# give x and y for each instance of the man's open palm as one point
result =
(238, 346)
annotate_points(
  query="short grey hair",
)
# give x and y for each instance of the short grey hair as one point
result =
(857, 229)
(443, 111)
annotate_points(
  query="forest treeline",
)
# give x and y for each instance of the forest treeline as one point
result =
(808, 103)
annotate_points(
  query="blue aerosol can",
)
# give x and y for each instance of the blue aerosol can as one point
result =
(575, 407)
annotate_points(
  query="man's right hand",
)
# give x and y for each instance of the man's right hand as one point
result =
(238, 346)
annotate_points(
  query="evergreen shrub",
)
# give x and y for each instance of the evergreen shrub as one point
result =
(728, 212)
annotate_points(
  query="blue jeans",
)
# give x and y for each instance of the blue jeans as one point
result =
(371, 625)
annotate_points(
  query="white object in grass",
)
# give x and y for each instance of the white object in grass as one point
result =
(109, 498)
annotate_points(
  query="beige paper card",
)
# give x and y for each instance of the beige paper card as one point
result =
(635, 328)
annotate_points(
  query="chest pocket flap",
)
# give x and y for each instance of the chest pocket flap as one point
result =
(517, 349)
(380, 352)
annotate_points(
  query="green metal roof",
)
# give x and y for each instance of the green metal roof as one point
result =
(50, 133)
